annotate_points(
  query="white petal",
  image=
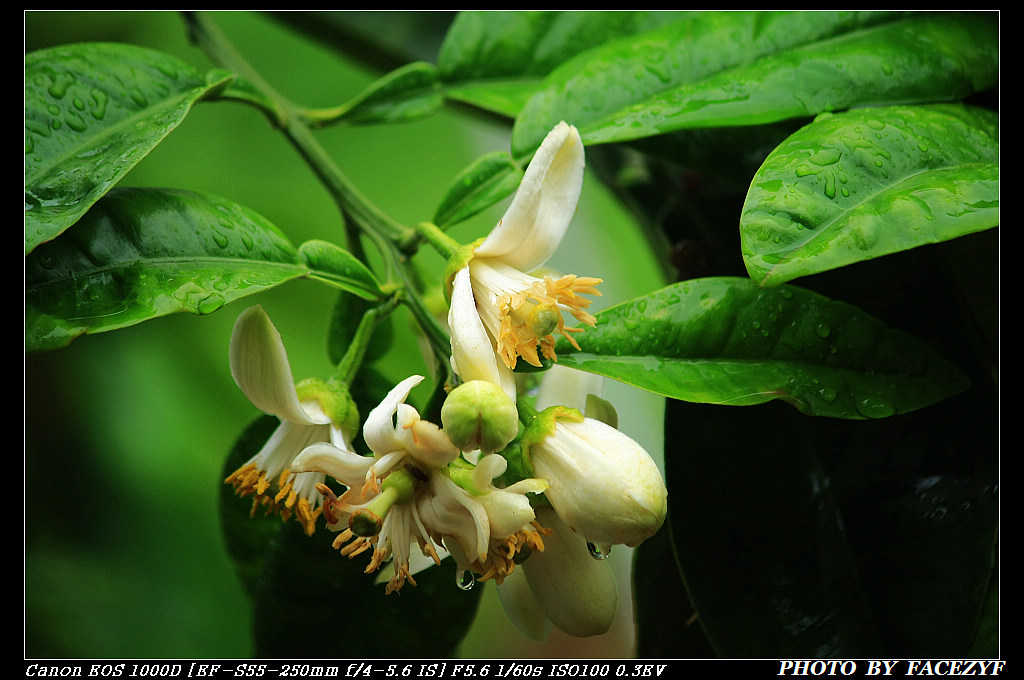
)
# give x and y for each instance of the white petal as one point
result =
(287, 441)
(564, 386)
(521, 606)
(604, 485)
(348, 468)
(473, 355)
(577, 592)
(458, 514)
(259, 365)
(507, 512)
(424, 441)
(379, 428)
(487, 468)
(544, 204)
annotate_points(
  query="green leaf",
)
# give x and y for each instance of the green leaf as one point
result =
(407, 93)
(488, 180)
(726, 341)
(93, 111)
(870, 182)
(496, 59)
(749, 68)
(332, 264)
(144, 253)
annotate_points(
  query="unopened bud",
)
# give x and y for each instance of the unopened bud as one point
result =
(478, 415)
(603, 484)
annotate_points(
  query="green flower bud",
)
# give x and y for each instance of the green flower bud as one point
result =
(478, 415)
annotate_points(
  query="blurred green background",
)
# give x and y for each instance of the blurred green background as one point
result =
(126, 432)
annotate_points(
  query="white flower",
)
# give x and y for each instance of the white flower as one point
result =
(487, 530)
(563, 585)
(569, 584)
(404, 495)
(497, 307)
(603, 484)
(259, 365)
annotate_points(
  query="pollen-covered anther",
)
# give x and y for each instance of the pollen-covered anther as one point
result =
(399, 580)
(428, 550)
(531, 317)
(248, 480)
(503, 556)
(350, 545)
(287, 502)
(307, 516)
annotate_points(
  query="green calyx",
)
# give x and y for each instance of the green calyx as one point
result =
(335, 400)
(461, 472)
(459, 260)
(541, 424)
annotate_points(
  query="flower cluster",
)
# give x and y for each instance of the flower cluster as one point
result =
(501, 483)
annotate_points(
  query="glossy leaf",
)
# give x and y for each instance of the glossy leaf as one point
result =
(870, 182)
(92, 112)
(334, 265)
(726, 341)
(406, 93)
(144, 253)
(488, 180)
(298, 583)
(750, 68)
(496, 59)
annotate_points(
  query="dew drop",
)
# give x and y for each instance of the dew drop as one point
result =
(465, 580)
(875, 407)
(99, 104)
(59, 87)
(75, 122)
(830, 187)
(598, 552)
(210, 304)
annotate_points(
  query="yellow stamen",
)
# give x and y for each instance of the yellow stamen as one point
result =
(399, 580)
(531, 317)
(359, 545)
(248, 479)
(501, 558)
